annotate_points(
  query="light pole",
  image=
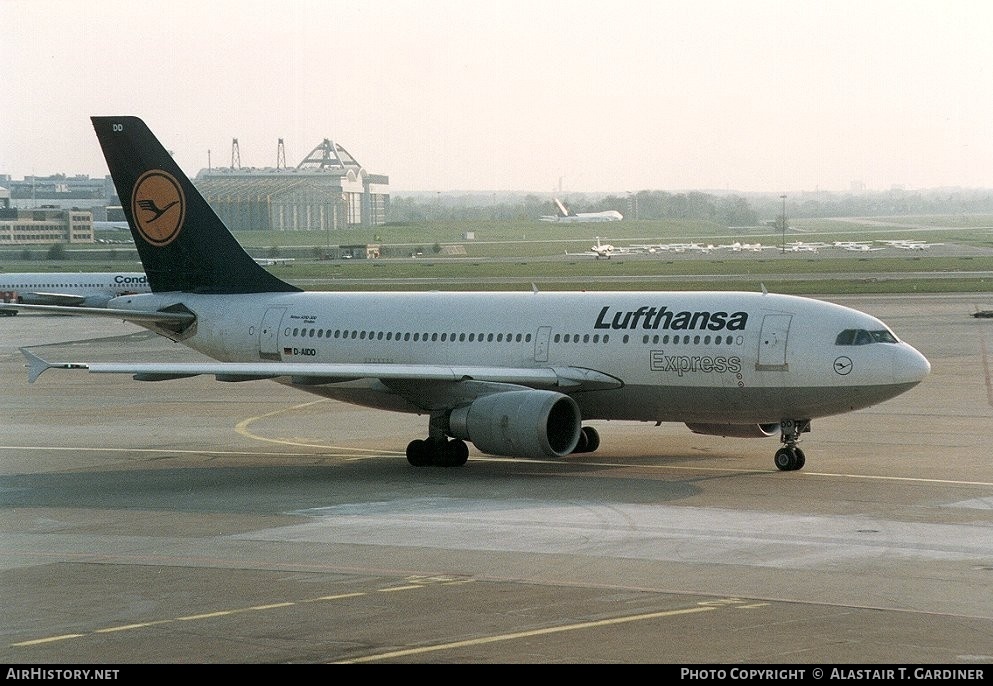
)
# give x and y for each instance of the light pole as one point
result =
(782, 218)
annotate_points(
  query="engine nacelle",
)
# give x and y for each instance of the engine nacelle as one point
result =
(735, 430)
(520, 423)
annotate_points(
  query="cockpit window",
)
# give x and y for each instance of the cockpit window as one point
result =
(863, 337)
(884, 336)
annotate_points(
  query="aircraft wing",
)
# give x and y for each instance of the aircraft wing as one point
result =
(43, 298)
(568, 379)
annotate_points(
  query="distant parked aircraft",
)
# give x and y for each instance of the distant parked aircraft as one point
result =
(567, 215)
(910, 244)
(855, 246)
(606, 250)
(83, 289)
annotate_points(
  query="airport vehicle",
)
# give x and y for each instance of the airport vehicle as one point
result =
(88, 289)
(514, 373)
(564, 214)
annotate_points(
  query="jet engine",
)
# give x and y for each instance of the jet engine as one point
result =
(735, 430)
(522, 423)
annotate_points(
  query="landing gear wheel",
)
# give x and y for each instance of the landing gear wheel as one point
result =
(785, 459)
(418, 454)
(790, 458)
(589, 440)
(452, 454)
(440, 453)
(801, 459)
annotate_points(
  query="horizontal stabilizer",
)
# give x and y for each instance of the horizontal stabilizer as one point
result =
(178, 318)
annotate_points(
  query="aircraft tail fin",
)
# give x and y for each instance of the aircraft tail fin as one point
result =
(182, 243)
(563, 211)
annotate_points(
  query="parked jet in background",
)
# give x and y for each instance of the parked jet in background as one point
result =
(514, 373)
(910, 244)
(84, 289)
(87, 289)
(855, 246)
(606, 250)
(800, 246)
(567, 215)
(747, 247)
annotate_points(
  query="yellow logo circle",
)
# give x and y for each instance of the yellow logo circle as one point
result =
(158, 207)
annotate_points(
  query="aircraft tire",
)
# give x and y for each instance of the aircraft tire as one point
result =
(785, 459)
(592, 439)
(418, 454)
(456, 453)
(801, 459)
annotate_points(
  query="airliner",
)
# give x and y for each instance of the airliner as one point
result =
(88, 289)
(566, 215)
(605, 250)
(516, 374)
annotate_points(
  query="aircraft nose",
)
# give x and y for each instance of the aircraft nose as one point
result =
(911, 366)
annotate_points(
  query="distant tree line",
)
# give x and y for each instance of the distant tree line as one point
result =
(726, 209)
(730, 210)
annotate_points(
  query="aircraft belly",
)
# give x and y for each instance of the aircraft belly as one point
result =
(723, 405)
(365, 393)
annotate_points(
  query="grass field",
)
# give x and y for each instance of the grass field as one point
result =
(515, 255)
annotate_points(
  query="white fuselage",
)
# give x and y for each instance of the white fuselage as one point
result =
(721, 357)
(90, 289)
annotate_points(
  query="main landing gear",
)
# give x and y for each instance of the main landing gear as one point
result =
(790, 458)
(438, 452)
(437, 449)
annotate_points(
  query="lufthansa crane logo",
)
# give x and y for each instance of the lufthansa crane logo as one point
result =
(158, 207)
(843, 365)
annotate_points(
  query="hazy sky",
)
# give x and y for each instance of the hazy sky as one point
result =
(747, 95)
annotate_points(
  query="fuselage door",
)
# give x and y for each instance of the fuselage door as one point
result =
(541, 343)
(772, 343)
(269, 333)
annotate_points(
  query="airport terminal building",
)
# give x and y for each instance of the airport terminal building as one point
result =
(328, 190)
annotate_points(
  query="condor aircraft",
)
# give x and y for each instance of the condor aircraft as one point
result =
(88, 289)
(513, 373)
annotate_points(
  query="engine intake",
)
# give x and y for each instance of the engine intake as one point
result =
(735, 430)
(533, 424)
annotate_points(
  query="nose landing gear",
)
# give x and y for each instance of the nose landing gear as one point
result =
(790, 458)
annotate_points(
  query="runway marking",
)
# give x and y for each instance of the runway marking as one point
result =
(242, 428)
(50, 639)
(528, 461)
(238, 610)
(527, 634)
(179, 451)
